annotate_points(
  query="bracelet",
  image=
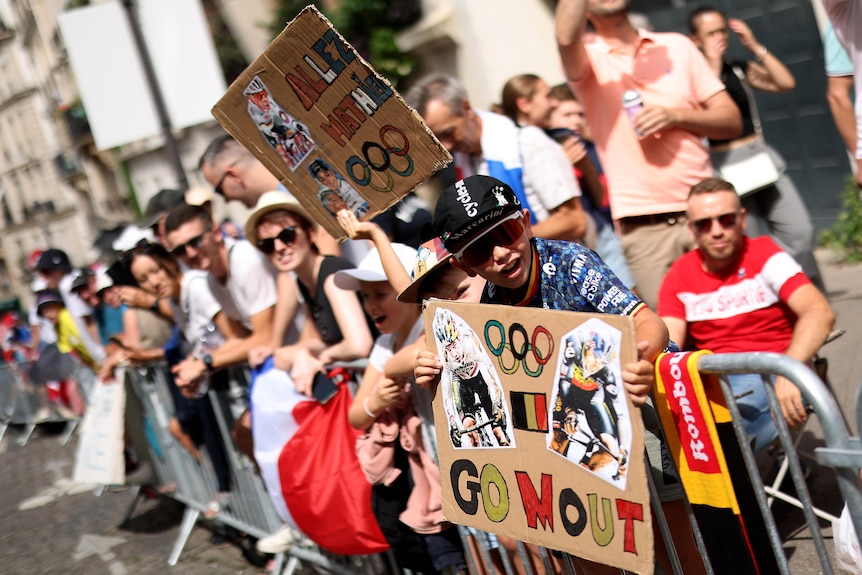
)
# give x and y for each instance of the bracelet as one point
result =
(763, 55)
(368, 412)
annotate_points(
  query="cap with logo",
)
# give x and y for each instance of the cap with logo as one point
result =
(430, 256)
(54, 260)
(471, 206)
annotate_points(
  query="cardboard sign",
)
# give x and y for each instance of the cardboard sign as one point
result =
(332, 130)
(537, 438)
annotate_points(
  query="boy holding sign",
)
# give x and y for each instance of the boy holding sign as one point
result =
(480, 221)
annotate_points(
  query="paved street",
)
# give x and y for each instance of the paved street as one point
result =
(50, 526)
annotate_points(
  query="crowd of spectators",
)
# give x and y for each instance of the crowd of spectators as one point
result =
(578, 173)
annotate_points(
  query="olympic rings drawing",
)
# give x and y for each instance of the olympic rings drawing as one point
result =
(529, 345)
(383, 163)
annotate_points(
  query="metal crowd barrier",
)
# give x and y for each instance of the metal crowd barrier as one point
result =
(21, 404)
(250, 509)
(842, 452)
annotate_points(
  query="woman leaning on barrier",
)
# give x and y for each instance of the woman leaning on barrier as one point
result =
(198, 322)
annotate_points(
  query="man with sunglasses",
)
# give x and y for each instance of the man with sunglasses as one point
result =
(240, 278)
(736, 294)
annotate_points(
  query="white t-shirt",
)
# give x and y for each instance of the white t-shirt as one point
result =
(197, 306)
(47, 334)
(251, 288)
(250, 285)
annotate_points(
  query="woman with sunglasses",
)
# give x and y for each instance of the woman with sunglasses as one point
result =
(201, 323)
(282, 230)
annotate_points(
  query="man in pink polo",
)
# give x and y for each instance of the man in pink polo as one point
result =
(652, 156)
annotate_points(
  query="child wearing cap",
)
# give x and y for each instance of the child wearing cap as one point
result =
(398, 450)
(480, 221)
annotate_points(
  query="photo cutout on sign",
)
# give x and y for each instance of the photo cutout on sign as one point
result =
(589, 420)
(473, 398)
(335, 193)
(284, 133)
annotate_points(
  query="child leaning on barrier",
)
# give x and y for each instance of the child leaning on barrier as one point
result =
(397, 452)
(480, 221)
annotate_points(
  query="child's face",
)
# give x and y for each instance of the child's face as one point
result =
(457, 285)
(381, 304)
(50, 311)
(502, 255)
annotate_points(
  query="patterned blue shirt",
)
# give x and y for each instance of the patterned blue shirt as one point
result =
(570, 277)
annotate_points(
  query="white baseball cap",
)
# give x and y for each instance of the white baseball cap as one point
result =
(370, 268)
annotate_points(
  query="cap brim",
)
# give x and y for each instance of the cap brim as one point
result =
(349, 279)
(411, 292)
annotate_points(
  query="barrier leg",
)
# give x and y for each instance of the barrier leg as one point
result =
(70, 428)
(3, 427)
(290, 568)
(190, 518)
(24, 438)
(136, 492)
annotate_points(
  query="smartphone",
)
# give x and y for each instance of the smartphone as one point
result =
(323, 389)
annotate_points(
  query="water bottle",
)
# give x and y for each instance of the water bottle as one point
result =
(207, 343)
(633, 104)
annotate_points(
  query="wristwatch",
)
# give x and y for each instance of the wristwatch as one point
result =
(208, 362)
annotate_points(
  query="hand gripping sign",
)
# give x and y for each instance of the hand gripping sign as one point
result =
(332, 130)
(537, 438)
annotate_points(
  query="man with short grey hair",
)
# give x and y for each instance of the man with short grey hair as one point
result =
(525, 158)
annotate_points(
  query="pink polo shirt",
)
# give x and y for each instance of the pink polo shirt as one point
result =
(652, 175)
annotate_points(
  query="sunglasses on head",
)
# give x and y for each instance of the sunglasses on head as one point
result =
(286, 236)
(480, 248)
(726, 221)
(194, 243)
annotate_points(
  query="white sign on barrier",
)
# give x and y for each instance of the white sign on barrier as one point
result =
(100, 450)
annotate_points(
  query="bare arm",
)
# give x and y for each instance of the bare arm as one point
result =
(356, 337)
(677, 329)
(189, 371)
(838, 90)
(571, 21)
(768, 73)
(719, 119)
(398, 276)
(652, 338)
(815, 320)
(565, 222)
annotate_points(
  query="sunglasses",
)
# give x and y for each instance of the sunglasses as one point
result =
(194, 243)
(480, 248)
(286, 236)
(220, 183)
(726, 221)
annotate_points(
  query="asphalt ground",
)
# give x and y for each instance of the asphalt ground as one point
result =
(50, 526)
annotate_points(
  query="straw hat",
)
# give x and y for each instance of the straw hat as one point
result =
(273, 202)
(198, 195)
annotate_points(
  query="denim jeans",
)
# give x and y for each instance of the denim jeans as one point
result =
(754, 408)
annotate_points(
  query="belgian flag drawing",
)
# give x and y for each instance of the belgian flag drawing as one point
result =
(700, 435)
(529, 411)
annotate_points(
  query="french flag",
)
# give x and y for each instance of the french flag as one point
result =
(307, 458)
